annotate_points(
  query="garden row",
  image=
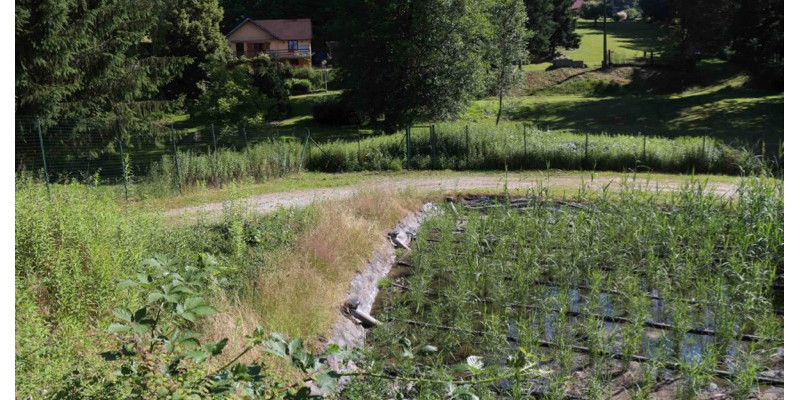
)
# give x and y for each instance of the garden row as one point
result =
(680, 289)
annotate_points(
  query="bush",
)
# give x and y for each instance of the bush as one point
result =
(299, 86)
(312, 75)
(620, 16)
(230, 98)
(267, 77)
(591, 10)
(335, 112)
(632, 14)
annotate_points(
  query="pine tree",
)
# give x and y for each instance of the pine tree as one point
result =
(541, 25)
(190, 28)
(565, 19)
(90, 61)
(552, 25)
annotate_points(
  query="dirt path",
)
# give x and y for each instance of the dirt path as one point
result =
(298, 198)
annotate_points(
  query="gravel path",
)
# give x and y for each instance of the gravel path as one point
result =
(298, 198)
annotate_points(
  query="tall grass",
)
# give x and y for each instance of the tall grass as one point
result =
(490, 147)
(453, 146)
(70, 249)
(259, 162)
(285, 271)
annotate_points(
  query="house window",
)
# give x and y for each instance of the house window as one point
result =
(293, 45)
(239, 49)
(258, 47)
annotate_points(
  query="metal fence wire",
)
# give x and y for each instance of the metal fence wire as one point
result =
(72, 150)
(173, 155)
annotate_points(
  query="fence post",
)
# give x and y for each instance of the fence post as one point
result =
(246, 145)
(44, 158)
(358, 152)
(433, 146)
(466, 138)
(644, 148)
(586, 152)
(175, 157)
(408, 147)
(124, 168)
(216, 156)
(525, 141)
(703, 154)
(303, 153)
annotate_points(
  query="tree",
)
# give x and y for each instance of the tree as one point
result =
(91, 62)
(408, 61)
(565, 19)
(229, 97)
(190, 28)
(701, 29)
(269, 79)
(507, 45)
(541, 25)
(757, 39)
(592, 10)
(552, 25)
(655, 10)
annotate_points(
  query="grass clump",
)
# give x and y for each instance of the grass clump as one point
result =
(257, 163)
(490, 147)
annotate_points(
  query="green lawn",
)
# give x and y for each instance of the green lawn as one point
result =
(626, 39)
(725, 113)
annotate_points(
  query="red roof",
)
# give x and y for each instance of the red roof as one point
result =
(283, 29)
(577, 4)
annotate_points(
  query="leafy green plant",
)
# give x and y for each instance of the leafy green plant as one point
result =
(160, 354)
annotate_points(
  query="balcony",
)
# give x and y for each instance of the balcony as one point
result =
(279, 54)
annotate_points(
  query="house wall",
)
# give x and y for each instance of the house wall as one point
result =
(249, 34)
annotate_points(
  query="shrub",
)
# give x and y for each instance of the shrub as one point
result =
(312, 75)
(299, 86)
(620, 16)
(632, 13)
(230, 98)
(333, 111)
(268, 79)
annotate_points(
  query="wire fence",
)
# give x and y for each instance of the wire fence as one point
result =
(166, 158)
(73, 150)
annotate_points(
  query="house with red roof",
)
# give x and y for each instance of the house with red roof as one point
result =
(287, 40)
(577, 4)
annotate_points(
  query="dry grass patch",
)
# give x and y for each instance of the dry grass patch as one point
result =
(300, 293)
